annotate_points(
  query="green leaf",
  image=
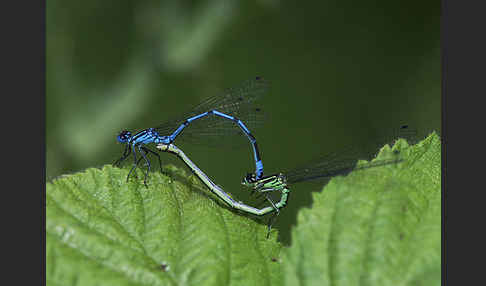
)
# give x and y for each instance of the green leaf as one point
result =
(101, 230)
(376, 226)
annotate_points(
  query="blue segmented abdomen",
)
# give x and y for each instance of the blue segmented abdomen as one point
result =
(197, 117)
(243, 126)
(178, 130)
(215, 112)
(259, 169)
(172, 137)
(237, 101)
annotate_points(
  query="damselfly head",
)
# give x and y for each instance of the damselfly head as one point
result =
(124, 136)
(249, 180)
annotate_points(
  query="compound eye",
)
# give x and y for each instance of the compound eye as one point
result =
(124, 136)
(250, 178)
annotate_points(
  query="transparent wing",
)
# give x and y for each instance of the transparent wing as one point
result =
(217, 131)
(344, 161)
(237, 101)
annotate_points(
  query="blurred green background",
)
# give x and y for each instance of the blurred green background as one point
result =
(340, 73)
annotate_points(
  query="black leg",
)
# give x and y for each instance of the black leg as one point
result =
(147, 162)
(126, 152)
(267, 198)
(156, 154)
(139, 159)
(138, 162)
(272, 203)
(271, 220)
(135, 163)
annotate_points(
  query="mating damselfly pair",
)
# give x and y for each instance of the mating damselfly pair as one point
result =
(235, 112)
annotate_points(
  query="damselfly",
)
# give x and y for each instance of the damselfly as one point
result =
(214, 117)
(171, 148)
(326, 167)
